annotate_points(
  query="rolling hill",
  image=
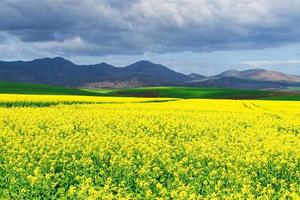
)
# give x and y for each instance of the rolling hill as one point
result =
(201, 93)
(169, 92)
(191, 93)
(22, 88)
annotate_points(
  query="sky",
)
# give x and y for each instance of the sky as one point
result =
(189, 36)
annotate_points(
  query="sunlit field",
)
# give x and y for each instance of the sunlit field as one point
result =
(73, 147)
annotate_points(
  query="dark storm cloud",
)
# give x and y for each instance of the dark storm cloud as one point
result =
(101, 27)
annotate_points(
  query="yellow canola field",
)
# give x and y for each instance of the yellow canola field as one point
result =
(67, 98)
(183, 149)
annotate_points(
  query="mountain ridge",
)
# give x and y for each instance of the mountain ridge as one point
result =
(260, 75)
(60, 71)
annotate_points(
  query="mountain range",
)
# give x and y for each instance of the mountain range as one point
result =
(59, 71)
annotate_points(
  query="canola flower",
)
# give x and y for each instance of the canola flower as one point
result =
(183, 149)
(20, 100)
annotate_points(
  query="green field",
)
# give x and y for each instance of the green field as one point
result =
(292, 89)
(191, 93)
(285, 98)
(171, 92)
(200, 93)
(22, 88)
(98, 91)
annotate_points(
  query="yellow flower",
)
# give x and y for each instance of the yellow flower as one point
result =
(119, 148)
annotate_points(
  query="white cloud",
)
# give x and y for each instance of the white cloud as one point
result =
(138, 26)
(264, 63)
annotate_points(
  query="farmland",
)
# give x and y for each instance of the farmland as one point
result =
(200, 93)
(80, 147)
(25, 88)
(289, 94)
(185, 92)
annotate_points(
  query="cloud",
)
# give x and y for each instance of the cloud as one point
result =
(264, 63)
(113, 27)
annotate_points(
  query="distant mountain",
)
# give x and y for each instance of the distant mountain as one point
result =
(229, 73)
(59, 71)
(234, 82)
(194, 76)
(142, 73)
(259, 75)
(154, 74)
(53, 71)
(251, 79)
